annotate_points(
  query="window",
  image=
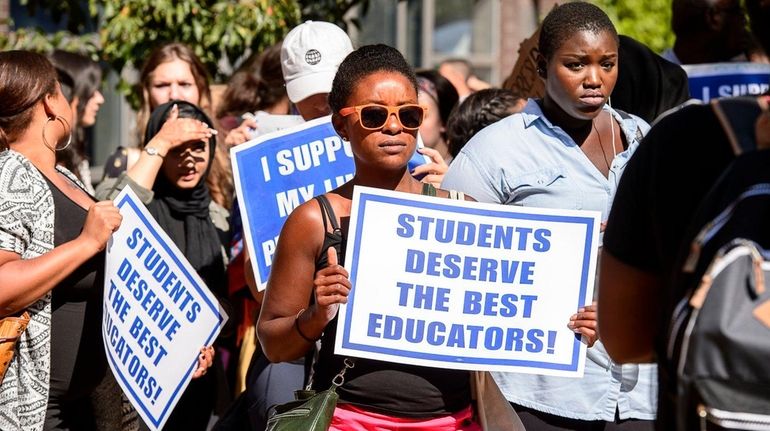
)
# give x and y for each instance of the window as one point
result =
(429, 31)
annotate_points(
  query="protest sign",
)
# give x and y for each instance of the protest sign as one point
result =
(713, 80)
(158, 313)
(465, 285)
(277, 172)
(524, 81)
(269, 123)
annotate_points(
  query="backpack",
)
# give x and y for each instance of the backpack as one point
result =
(716, 370)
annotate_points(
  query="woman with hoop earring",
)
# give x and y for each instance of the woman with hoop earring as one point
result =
(52, 237)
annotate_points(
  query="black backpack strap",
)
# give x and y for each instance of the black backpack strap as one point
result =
(328, 213)
(737, 115)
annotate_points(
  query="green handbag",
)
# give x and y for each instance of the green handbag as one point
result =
(310, 411)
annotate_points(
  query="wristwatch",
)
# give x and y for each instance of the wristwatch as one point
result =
(153, 151)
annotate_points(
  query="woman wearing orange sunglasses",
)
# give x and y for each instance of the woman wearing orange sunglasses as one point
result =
(374, 100)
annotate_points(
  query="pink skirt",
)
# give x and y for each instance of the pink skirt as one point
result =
(350, 418)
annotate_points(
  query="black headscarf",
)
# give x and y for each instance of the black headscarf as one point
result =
(184, 214)
(648, 85)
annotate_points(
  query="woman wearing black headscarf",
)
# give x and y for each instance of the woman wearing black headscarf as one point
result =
(170, 179)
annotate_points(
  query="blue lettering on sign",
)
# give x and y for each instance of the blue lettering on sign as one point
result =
(425, 297)
(126, 356)
(436, 333)
(495, 304)
(469, 267)
(711, 81)
(162, 273)
(483, 235)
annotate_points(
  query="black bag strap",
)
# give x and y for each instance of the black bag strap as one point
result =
(328, 213)
(737, 115)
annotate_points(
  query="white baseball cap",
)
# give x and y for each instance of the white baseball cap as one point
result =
(310, 56)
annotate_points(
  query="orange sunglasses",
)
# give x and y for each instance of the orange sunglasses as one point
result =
(374, 116)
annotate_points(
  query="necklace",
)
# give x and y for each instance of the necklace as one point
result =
(599, 136)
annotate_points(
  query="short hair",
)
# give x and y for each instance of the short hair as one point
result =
(163, 54)
(477, 111)
(258, 84)
(441, 90)
(25, 78)
(566, 20)
(363, 62)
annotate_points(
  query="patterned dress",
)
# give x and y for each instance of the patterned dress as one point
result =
(27, 228)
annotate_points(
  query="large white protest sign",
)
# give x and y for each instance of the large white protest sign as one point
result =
(712, 80)
(279, 171)
(466, 285)
(158, 313)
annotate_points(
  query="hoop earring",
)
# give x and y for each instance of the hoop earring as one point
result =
(66, 125)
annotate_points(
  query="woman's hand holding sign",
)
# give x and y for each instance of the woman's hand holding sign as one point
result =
(102, 220)
(205, 360)
(332, 286)
(584, 323)
(434, 171)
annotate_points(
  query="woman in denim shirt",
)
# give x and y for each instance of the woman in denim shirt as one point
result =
(568, 151)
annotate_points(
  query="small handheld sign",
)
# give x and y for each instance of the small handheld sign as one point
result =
(158, 313)
(465, 285)
(713, 80)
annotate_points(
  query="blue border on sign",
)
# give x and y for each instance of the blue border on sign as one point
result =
(365, 198)
(127, 200)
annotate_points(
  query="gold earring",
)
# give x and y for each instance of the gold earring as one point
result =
(66, 125)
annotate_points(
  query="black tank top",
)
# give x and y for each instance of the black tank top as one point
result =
(394, 389)
(77, 353)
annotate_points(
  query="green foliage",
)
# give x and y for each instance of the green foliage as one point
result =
(219, 31)
(648, 21)
(215, 30)
(35, 40)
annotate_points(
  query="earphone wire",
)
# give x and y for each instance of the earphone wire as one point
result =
(612, 129)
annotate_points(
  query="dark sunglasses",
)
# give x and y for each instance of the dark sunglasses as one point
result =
(374, 116)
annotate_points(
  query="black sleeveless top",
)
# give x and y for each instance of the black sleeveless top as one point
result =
(394, 389)
(78, 362)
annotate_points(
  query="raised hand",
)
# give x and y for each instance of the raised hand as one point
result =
(241, 133)
(177, 131)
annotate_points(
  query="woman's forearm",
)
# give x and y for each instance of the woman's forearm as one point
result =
(24, 281)
(282, 340)
(146, 169)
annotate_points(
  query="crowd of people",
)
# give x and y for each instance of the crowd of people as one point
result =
(571, 148)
